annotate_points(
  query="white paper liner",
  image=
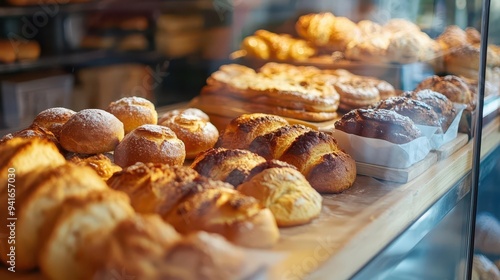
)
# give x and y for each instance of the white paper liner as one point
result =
(382, 152)
(439, 139)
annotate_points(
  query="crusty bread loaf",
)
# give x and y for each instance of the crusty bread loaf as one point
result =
(91, 131)
(102, 164)
(156, 188)
(287, 194)
(80, 218)
(381, 124)
(193, 127)
(191, 202)
(418, 111)
(229, 213)
(229, 165)
(133, 112)
(39, 204)
(439, 103)
(315, 154)
(150, 143)
(53, 119)
(33, 131)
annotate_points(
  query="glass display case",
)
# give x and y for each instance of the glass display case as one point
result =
(408, 91)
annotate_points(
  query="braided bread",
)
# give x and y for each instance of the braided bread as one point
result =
(315, 154)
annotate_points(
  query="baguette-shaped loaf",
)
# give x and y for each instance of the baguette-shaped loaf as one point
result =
(315, 154)
(191, 202)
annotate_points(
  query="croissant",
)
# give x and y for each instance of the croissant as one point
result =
(265, 45)
(315, 154)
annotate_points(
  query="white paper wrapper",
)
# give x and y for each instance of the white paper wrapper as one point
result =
(439, 139)
(384, 153)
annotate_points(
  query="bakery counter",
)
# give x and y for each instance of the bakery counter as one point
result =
(357, 228)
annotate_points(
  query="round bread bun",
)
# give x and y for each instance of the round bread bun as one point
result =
(102, 164)
(193, 128)
(91, 131)
(150, 143)
(53, 119)
(133, 112)
(287, 193)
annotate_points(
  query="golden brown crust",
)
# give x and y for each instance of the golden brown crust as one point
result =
(133, 112)
(265, 45)
(298, 92)
(91, 131)
(202, 255)
(102, 164)
(439, 102)
(135, 247)
(157, 188)
(418, 111)
(287, 193)
(381, 124)
(192, 127)
(453, 87)
(356, 92)
(150, 143)
(332, 172)
(226, 212)
(229, 165)
(241, 131)
(80, 218)
(53, 119)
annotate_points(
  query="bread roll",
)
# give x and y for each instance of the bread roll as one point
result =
(150, 143)
(315, 154)
(193, 127)
(191, 202)
(381, 124)
(102, 164)
(453, 87)
(7, 52)
(39, 203)
(80, 219)
(287, 193)
(53, 119)
(29, 50)
(239, 218)
(134, 247)
(20, 156)
(91, 131)
(229, 165)
(133, 112)
(418, 111)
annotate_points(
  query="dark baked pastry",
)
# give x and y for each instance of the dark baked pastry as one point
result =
(418, 111)
(439, 103)
(381, 124)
